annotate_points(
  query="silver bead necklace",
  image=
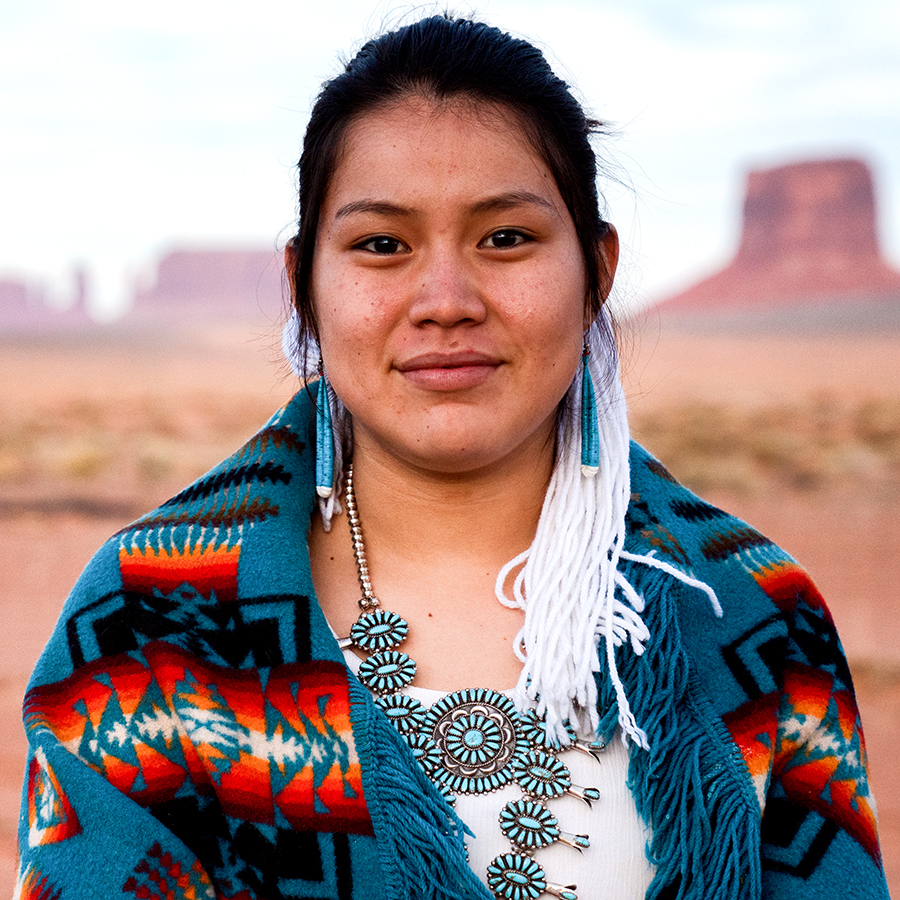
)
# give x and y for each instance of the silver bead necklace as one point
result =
(471, 741)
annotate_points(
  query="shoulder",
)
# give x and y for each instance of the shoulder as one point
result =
(666, 518)
(659, 502)
(772, 610)
(242, 523)
(247, 487)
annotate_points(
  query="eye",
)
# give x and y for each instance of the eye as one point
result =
(382, 245)
(505, 238)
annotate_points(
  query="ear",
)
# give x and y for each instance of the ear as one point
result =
(609, 253)
(609, 259)
(307, 316)
(290, 256)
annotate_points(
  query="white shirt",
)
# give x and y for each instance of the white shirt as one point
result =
(615, 867)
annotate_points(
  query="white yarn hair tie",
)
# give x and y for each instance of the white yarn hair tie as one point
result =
(303, 360)
(568, 584)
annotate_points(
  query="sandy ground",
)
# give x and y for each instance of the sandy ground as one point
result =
(128, 420)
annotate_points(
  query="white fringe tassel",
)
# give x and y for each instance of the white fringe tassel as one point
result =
(568, 584)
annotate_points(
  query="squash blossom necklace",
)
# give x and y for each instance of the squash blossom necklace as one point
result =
(471, 741)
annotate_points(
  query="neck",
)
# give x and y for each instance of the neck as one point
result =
(441, 519)
(434, 544)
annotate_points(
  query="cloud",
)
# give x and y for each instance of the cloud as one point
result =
(128, 127)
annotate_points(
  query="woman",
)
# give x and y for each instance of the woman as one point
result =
(195, 726)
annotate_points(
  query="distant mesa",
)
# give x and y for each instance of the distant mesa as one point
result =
(24, 309)
(809, 241)
(17, 297)
(214, 284)
(808, 257)
(198, 286)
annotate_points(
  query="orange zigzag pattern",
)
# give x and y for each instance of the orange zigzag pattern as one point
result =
(283, 748)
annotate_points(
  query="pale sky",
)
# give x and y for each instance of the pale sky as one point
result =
(127, 129)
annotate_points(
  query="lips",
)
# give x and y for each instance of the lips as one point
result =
(449, 371)
(448, 361)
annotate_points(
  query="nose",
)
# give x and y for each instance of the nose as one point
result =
(448, 292)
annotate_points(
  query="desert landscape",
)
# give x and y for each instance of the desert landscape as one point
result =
(797, 433)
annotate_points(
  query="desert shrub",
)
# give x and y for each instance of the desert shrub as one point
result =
(808, 444)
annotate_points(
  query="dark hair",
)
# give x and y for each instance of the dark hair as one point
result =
(445, 58)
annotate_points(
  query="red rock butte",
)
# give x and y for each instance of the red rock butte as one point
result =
(23, 307)
(809, 238)
(214, 284)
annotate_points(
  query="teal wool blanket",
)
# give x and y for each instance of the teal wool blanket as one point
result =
(194, 732)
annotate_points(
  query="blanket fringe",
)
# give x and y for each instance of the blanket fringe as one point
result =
(706, 836)
(425, 834)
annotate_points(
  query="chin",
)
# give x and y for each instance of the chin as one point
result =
(462, 462)
(477, 456)
(469, 441)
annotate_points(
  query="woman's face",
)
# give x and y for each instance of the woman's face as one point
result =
(449, 288)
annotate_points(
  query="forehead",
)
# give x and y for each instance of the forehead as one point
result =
(419, 146)
(413, 110)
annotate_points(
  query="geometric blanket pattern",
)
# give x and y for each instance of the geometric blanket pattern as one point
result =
(797, 725)
(195, 733)
(270, 745)
(817, 749)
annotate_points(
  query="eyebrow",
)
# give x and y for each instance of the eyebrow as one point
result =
(506, 200)
(380, 207)
(510, 200)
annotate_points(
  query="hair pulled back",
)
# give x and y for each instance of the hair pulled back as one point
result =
(442, 58)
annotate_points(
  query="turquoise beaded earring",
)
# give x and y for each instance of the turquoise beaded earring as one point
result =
(324, 439)
(590, 430)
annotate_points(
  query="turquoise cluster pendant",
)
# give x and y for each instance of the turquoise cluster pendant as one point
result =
(477, 737)
(472, 741)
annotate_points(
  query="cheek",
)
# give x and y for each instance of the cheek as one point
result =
(559, 350)
(341, 319)
(354, 345)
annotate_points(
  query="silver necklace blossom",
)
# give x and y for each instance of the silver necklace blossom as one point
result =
(472, 741)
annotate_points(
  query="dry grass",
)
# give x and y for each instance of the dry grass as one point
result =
(809, 444)
(96, 447)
